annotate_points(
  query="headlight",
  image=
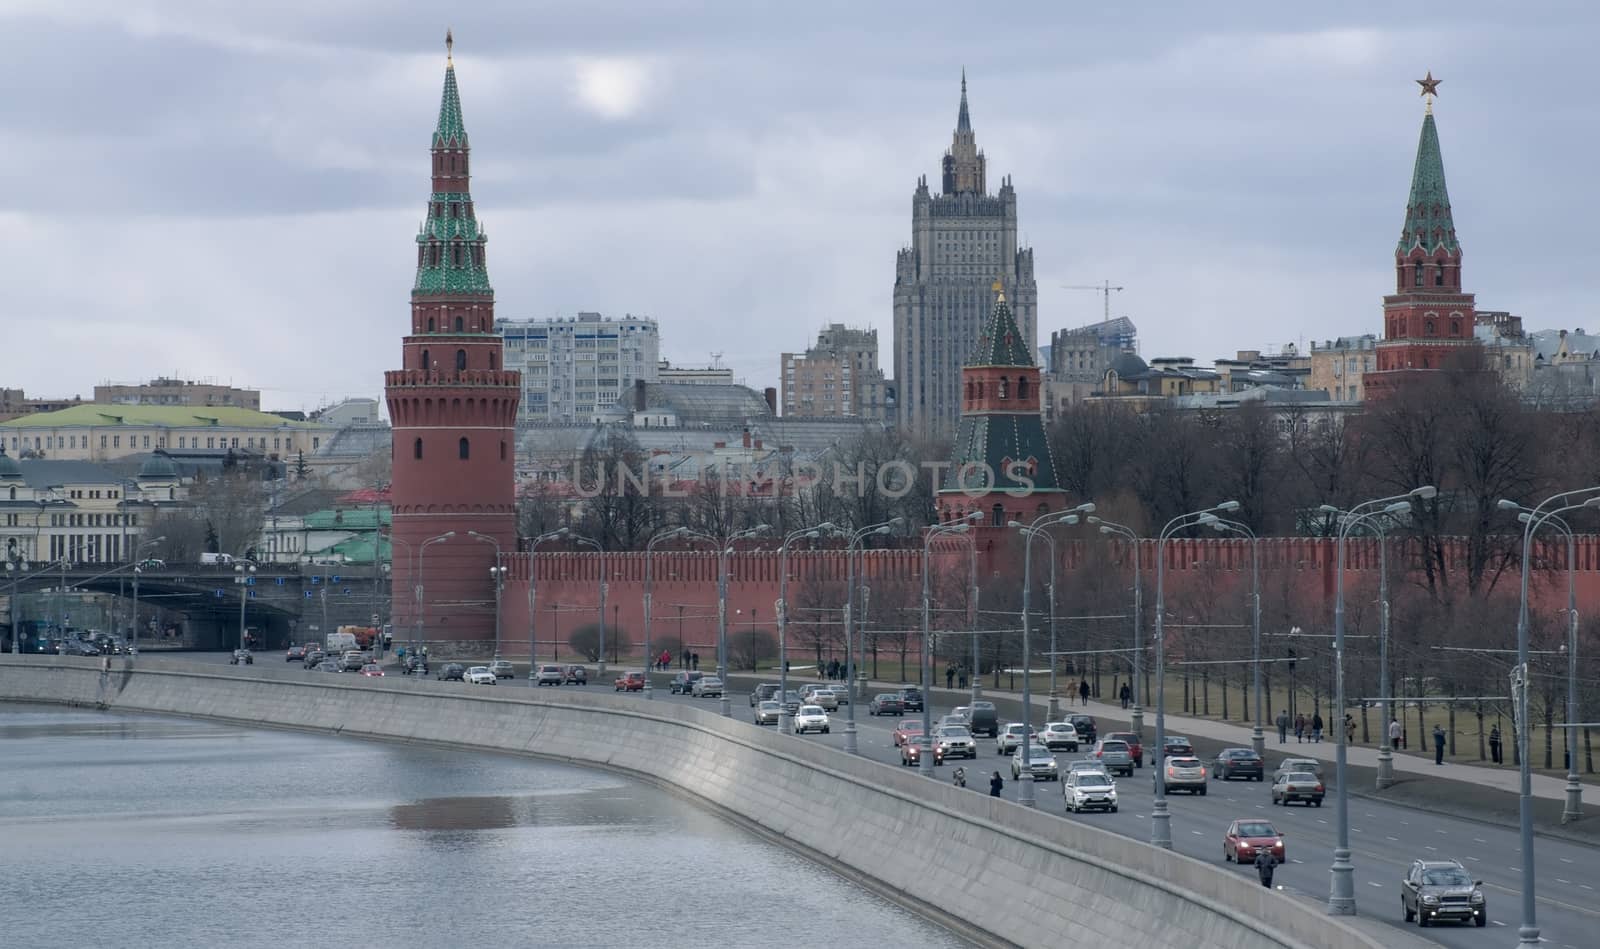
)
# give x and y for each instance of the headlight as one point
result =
(1430, 900)
(1477, 897)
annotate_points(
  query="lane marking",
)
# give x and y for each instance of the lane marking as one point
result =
(1517, 869)
(1434, 849)
(1395, 839)
(1565, 860)
(1567, 882)
(1496, 922)
(1470, 857)
(1479, 840)
(1321, 821)
(1370, 883)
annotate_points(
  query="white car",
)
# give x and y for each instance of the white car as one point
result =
(1011, 736)
(706, 687)
(1089, 790)
(1059, 736)
(955, 741)
(810, 718)
(1035, 760)
(824, 699)
(479, 675)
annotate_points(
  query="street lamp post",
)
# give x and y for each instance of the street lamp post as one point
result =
(1108, 528)
(533, 639)
(1030, 531)
(411, 563)
(925, 742)
(604, 576)
(724, 549)
(1160, 817)
(649, 592)
(785, 720)
(856, 537)
(1258, 741)
(243, 578)
(497, 575)
(1342, 887)
(133, 636)
(422, 553)
(14, 571)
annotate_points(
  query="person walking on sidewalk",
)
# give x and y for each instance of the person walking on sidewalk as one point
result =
(1494, 744)
(1125, 694)
(1283, 727)
(1299, 728)
(1083, 690)
(1316, 727)
(1349, 729)
(1394, 734)
(1438, 743)
(949, 677)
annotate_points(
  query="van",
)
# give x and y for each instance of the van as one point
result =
(340, 642)
(216, 560)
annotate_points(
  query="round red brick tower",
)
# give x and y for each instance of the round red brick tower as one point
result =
(454, 412)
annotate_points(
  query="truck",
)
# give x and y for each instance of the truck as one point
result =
(216, 560)
(337, 644)
(365, 635)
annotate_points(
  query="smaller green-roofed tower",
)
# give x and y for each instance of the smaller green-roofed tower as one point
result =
(1001, 465)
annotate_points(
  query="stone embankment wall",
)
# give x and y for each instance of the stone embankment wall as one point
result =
(999, 874)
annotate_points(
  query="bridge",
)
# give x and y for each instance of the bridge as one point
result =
(284, 603)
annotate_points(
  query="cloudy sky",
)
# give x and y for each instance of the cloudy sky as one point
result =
(225, 190)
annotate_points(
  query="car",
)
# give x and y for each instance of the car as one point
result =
(354, 659)
(1010, 737)
(1089, 790)
(1186, 773)
(576, 675)
(810, 718)
(502, 669)
(958, 720)
(372, 670)
(1085, 764)
(907, 730)
(242, 657)
(1243, 836)
(631, 682)
(1059, 736)
(911, 698)
(479, 675)
(911, 752)
(1036, 760)
(791, 701)
(152, 563)
(550, 675)
(1114, 755)
(983, 719)
(767, 712)
(763, 692)
(887, 703)
(1088, 732)
(1135, 746)
(451, 672)
(330, 664)
(707, 687)
(1437, 890)
(295, 654)
(314, 657)
(683, 682)
(1176, 746)
(1233, 763)
(1297, 786)
(962, 712)
(1298, 764)
(955, 741)
(822, 697)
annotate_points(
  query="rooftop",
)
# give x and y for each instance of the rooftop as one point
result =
(90, 415)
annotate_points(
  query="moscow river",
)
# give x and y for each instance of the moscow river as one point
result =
(122, 830)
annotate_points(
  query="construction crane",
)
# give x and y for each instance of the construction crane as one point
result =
(1103, 288)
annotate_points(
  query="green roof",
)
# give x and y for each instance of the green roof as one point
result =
(353, 519)
(986, 444)
(165, 416)
(1428, 220)
(1001, 343)
(356, 550)
(451, 233)
(451, 130)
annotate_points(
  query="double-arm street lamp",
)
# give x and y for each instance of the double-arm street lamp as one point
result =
(533, 638)
(243, 577)
(1160, 818)
(497, 575)
(138, 568)
(604, 585)
(422, 552)
(1528, 933)
(15, 568)
(1036, 528)
(724, 550)
(809, 533)
(1108, 528)
(1342, 887)
(852, 550)
(649, 592)
(1258, 741)
(925, 742)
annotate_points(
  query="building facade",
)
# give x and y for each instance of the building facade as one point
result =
(454, 411)
(713, 375)
(80, 512)
(1339, 366)
(574, 369)
(838, 376)
(962, 240)
(177, 392)
(100, 433)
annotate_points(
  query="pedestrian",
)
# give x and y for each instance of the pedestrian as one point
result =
(694, 660)
(1494, 744)
(1299, 728)
(1283, 727)
(1438, 743)
(1264, 865)
(949, 677)
(1394, 734)
(1126, 694)
(1349, 729)
(962, 679)
(1083, 690)
(685, 660)
(995, 784)
(1316, 727)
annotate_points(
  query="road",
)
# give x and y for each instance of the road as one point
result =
(1384, 838)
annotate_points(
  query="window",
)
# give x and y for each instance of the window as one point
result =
(491, 360)
(425, 363)
(998, 516)
(1418, 279)
(416, 448)
(1002, 389)
(1438, 275)
(464, 450)
(502, 449)
(430, 324)
(1022, 388)
(461, 358)
(460, 324)
(116, 441)
(102, 441)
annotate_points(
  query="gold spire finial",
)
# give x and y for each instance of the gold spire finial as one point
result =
(999, 289)
(1430, 89)
(449, 47)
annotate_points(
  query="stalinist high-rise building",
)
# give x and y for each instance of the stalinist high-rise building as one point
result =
(962, 240)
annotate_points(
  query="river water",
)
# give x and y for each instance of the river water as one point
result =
(122, 830)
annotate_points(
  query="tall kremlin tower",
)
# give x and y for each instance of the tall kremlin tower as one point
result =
(454, 408)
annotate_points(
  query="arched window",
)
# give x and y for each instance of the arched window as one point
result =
(416, 448)
(1455, 327)
(459, 324)
(1438, 274)
(1043, 509)
(172, 494)
(1003, 388)
(491, 360)
(998, 516)
(13, 494)
(980, 388)
(502, 449)
(1429, 329)
(464, 450)
(430, 324)
(969, 391)
(461, 359)
(1022, 389)
(425, 364)
(1417, 280)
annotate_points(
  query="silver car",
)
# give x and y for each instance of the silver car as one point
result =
(1290, 765)
(956, 742)
(1115, 756)
(767, 713)
(823, 698)
(706, 687)
(550, 675)
(810, 718)
(502, 669)
(1039, 763)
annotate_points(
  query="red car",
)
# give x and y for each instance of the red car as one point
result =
(632, 682)
(911, 753)
(372, 670)
(1239, 844)
(905, 731)
(1135, 748)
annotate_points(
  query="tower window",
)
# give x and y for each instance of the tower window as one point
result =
(464, 450)
(425, 364)
(1417, 280)
(1022, 389)
(998, 516)
(430, 324)
(460, 324)
(1002, 391)
(461, 359)
(1438, 275)
(491, 360)
(502, 449)
(416, 448)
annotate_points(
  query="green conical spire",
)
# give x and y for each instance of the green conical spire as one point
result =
(1001, 343)
(1428, 219)
(452, 131)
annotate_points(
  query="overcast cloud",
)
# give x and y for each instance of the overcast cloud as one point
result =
(223, 190)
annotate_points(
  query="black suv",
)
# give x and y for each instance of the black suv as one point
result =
(452, 672)
(1087, 733)
(912, 697)
(683, 682)
(1436, 890)
(982, 720)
